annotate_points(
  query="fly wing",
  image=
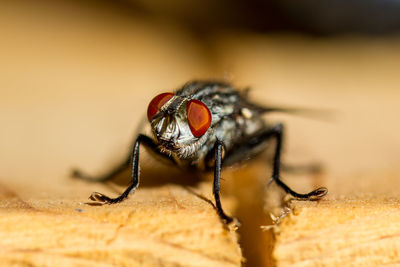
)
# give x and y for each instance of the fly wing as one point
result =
(324, 114)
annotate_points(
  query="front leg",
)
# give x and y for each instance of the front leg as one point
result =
(219, 146)
(141, 139)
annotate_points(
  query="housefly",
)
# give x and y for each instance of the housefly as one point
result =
(204, 124)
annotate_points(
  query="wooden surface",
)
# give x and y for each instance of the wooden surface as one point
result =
(351, 231)
(166, 226)
(73, 89)
(357, 227)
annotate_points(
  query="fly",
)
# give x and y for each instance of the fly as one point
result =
(202, 125)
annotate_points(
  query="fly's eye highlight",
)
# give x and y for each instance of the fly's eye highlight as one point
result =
(199, 117)
(156, 103)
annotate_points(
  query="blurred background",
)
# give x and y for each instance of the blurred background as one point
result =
(76, 78)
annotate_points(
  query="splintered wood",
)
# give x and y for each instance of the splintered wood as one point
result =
(352, 228)
(346, 232)
(167, 226)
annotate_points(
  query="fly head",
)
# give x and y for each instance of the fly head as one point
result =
(181, 125)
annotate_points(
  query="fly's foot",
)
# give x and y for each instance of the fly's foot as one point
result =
(99, 198)
(235, 223)
(316, 194)
(231, 222)
(313, 195)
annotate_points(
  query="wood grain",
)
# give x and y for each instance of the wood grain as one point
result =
(167, 226)
(351, 232)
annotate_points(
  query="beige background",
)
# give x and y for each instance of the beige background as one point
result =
(76, 80)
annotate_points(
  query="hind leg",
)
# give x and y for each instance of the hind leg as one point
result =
(121, 167)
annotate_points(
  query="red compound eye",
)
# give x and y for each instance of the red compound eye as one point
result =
(157, 103)
(199, 117)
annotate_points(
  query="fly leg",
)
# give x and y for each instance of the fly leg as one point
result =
(121, 167)
(255, 144)
(103, 178)
(277, 132)
(141, 139)
(311, 168)
(219, 146)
